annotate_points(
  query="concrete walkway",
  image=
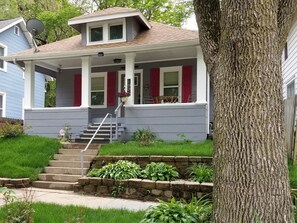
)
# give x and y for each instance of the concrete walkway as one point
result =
(71, 198)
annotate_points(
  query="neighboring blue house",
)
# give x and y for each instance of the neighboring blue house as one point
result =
(14, 37)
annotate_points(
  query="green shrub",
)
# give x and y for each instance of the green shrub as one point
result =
(144, 137)
(159, 171)
(120, 170)
(11, 130)
(197, 211)
(201, 173)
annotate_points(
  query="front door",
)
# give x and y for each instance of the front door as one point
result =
(137, 87)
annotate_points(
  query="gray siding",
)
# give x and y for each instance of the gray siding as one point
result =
(167, 121)
(133, 28)
(83, 34)
(48, 122)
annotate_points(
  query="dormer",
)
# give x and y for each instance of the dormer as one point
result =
(112, 25)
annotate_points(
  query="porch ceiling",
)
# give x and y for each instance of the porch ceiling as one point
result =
(107, 59)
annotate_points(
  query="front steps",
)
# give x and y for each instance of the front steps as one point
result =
(65, 170)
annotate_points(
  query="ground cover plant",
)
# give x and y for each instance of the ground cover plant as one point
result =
(11, 130)
(26, 156)
(144, 137)
(293, 175)
(158, 148)
(201, 173)
(159, 171)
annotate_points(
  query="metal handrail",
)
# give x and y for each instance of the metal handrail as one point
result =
(116, 115)
(85, 149)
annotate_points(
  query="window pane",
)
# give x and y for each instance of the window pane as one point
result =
(170, 78)
(116, 32)
(97, 98)
(97, 84)
(173, 91)
(1, 51)
(96, 34)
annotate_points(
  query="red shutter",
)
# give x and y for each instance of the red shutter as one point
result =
(77, 90)
(187, 84)
(111, 88)
(155, 82)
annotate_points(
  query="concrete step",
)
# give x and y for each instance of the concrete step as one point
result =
(72, 157)
(79, 146)
(76, 152)
(104, 141)
(58, 177)
(64, 170)
(53, 185)
(65, 163)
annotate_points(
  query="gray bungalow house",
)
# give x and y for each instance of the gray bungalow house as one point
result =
(118, 49)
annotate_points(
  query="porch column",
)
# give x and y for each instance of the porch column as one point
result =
(129, 76)
(85, 82)
(201, 77)
(29, 91)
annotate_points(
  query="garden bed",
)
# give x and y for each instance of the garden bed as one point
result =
(140, 189)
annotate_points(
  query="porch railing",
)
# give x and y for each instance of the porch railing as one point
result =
(91, 140)
(116, 112)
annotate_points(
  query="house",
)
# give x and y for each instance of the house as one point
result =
(14, 37)
(118, 48)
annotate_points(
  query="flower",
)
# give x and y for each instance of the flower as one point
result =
(123, 94)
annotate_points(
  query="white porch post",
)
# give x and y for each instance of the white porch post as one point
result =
(129, 76)
(85, 82)
(29, 91)
(201, 77)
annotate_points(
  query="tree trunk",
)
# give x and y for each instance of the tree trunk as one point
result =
(250, 162)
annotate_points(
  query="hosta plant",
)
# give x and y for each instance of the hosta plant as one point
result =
(120, 170)
(160, 171)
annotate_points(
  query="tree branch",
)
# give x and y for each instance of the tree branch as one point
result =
(287, 11)
(208, 15)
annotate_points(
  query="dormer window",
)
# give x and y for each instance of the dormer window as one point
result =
(96, 34)
(115, 32)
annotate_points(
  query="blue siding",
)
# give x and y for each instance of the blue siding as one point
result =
(12, 82)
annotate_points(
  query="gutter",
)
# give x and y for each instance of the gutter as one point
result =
(15, 62)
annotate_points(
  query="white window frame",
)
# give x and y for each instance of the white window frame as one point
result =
(4, 69)
(16, 30)
(105, 25)
(3, 94)
(171, 69)
(100, 74)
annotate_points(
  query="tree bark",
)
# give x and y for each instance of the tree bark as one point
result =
(250, 162)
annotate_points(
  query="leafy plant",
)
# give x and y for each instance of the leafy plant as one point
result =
(183, 137)
(11, 130)
(201, 173)
(120, 170)
(159, 171)
(65, 134)
(197, 211)
(144, 137)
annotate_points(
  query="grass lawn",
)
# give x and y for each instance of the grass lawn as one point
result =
(25, 156)
(158, 148)
(293, 175)
(52, 213)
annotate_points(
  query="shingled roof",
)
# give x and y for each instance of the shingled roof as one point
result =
(7, 23)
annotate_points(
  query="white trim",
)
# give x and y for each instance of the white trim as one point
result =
(76, 21)
(12, 24)
(16, 30)
(4, 69)
(3, 94)
(171, 69)
(167, 105)
(55, 108)
(104, 75)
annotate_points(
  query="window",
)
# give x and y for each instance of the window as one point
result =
(116, 32)
(286, 51)
(16, 30)
(291, 89)
(98, 86)
(2, 104)
(96, 34)
(3, 52)
(170, 81)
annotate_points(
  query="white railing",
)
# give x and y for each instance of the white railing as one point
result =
(84, 150)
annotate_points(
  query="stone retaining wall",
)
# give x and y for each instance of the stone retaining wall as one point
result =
(15, 183)
(182, 163)
(139, 189)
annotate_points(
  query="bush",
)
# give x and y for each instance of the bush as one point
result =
(160, 171)
(120, 170)
(197, 211)
(201, 173)
(11, 130)
(144, 137)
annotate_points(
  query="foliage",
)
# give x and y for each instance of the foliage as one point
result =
(197, 211)
(120, 170)
(11, 130)
(144, 137)
(160, 171)
(65, 134)
(17, 210)
(25, 156)
(201, 173)
(183, 137)
(158, 148)
(292, 174)
(50, 94)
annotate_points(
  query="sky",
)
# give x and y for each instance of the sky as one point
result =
(191, 23)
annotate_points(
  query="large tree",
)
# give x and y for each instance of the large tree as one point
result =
(242, 44)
